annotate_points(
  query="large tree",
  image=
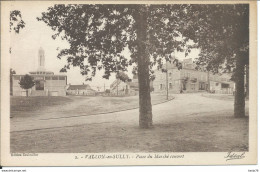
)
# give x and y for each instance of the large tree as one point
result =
(99, 33)
(222, 33)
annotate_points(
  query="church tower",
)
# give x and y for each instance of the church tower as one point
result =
(41, 60)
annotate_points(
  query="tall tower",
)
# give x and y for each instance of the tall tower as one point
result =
(41, 59)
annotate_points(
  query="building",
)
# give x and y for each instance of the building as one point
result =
(46, 82)
(221, 84)
(83, 89)
(120, 88)
(188, 79)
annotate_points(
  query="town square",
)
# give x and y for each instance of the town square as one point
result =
(148, 84)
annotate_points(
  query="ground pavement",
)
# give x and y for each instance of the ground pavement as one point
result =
(190, 122)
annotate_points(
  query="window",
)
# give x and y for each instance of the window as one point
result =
(201, 86)
(184, 86)
(62, 77)
(224, 85)
(39, 85)
(170, 75)
(170, 86)
(55, 78)
(216, 84)
(47, 78)
(161, 86)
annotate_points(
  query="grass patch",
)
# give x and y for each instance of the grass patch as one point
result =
(74, 105)
(30, 104)
(188, 134)
(100, 105)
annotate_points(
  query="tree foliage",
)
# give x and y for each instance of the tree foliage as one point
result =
(16, 21)
(12, 72)
(123, 77)
(99, 33)
(26, 82)
(221, 32)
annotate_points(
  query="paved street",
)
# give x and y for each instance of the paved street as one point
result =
(185, 109)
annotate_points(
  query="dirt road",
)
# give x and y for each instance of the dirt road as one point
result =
(201, 118)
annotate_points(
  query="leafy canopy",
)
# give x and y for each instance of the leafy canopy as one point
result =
(16, 21)
(98, 34)
(221, 32)
(26, 82)
(123, 77)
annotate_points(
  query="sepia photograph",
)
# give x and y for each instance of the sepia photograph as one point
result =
(85, 83)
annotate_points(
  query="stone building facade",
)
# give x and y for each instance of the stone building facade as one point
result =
(188, 79)
(46, 82)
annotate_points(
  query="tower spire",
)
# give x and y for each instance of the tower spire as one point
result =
(41, 59)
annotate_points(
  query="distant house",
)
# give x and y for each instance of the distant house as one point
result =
(83, 89)
(119, 87)
(221, 84)
(188, 79)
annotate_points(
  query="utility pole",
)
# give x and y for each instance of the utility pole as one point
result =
(208, 82)
(117, 87)
(167, 91)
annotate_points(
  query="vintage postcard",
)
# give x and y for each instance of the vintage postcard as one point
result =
(94, 83)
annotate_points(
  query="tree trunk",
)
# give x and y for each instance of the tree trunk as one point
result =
(247, 81)
(239, 106)
(145, 106)
(26, 93)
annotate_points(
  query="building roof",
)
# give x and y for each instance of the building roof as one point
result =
(79, 87)
(41, 73)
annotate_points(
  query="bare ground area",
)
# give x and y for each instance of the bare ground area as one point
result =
(189, 123)
(36, 107)
(219, 96)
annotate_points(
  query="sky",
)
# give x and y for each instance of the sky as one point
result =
(36, 34)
